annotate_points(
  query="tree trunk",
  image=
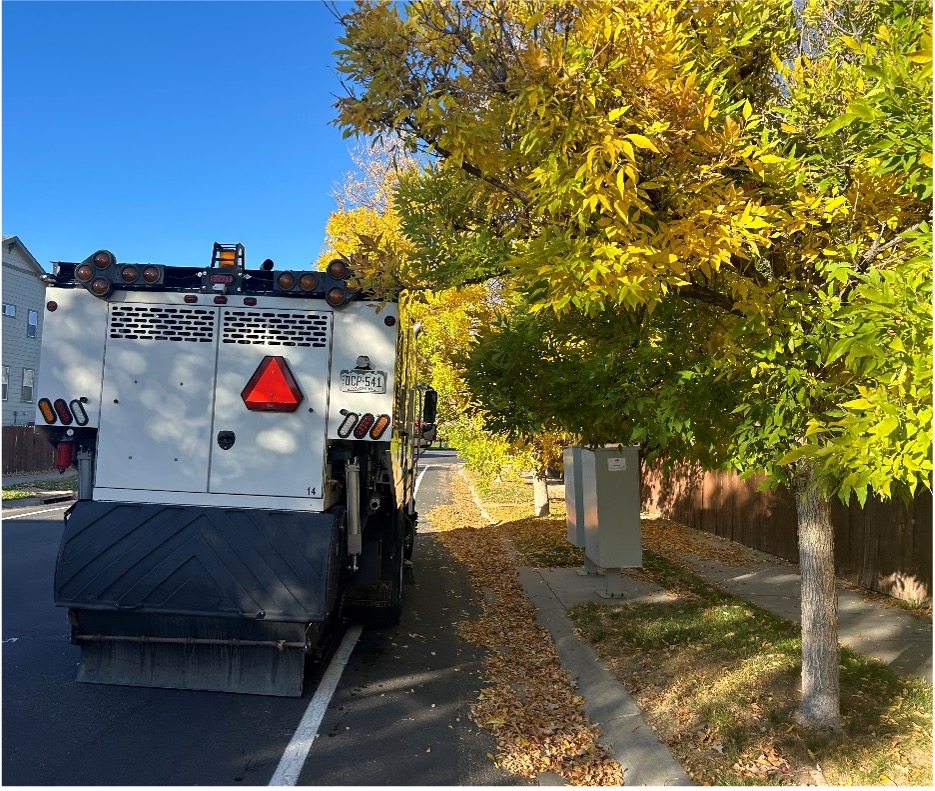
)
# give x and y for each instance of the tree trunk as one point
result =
(540, 492)
(820, 706)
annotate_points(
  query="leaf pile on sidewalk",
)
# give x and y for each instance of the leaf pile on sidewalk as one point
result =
(672, 538)
(529, 704)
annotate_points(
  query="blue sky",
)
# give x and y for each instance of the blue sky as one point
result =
(155, 129)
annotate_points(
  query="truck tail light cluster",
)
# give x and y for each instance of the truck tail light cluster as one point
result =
(100, 272)
(363, 425)
(60, 411)
(297, 282)
(330, 284)
(340, 293)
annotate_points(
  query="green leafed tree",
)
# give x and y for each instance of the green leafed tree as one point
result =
(759, 171)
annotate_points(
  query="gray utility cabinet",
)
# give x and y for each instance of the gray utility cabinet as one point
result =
(610, 484)
(574, 496)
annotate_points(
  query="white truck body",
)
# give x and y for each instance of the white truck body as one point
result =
(220, 431)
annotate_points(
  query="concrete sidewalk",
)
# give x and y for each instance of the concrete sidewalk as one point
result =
(869, 626)
(643, 757)
(876, 629)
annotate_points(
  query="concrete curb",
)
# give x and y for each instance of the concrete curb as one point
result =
(38, 499)
(474, 495)
(645, 760)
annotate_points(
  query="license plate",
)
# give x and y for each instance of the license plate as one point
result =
(363, 381)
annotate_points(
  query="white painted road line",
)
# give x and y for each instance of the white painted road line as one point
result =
(34, 513)
(419, 480)
(293, 759)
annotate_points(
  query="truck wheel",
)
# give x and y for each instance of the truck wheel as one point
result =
(409, 536)
(396, 571)
(387, 615)
(393, 613)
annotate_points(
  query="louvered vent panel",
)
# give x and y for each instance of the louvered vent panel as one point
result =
(160, 323)
(273, 328)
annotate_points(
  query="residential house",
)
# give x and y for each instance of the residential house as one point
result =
(23, 306)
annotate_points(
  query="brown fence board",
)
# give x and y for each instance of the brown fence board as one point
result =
(884, 546)
(24, 451)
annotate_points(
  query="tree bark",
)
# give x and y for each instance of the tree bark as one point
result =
(540, 492)
(820, 706)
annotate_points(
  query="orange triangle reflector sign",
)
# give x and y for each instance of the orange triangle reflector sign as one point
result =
(272, 388)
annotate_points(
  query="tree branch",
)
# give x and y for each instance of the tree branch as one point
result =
(876, 248)
(475, 171)
(709, 297)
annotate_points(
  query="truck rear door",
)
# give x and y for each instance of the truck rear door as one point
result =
(174, 416)
(279, 453)
(156, 399)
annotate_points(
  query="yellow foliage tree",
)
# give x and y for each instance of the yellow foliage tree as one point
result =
(611, 156)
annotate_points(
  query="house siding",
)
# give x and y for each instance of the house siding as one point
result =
(23, 288)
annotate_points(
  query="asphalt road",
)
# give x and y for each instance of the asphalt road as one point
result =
(397, 717)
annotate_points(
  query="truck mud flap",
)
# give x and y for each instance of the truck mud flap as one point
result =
(187, 597)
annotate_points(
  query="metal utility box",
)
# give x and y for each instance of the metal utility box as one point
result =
(611, 487)
(574, 500)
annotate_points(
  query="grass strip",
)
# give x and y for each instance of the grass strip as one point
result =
(63, 483)
(718, 680)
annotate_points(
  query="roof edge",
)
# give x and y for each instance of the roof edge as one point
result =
(15, 241)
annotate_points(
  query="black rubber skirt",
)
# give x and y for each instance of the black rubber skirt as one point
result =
(196, 597)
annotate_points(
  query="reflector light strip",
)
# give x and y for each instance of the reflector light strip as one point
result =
(379, 427)
(366, 421)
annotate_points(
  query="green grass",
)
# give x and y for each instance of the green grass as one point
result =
(718, 678)
(15, 494)
(730, 671)
(63, 483)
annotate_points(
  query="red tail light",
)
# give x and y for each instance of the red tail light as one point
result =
(366, 421)
(63, 412)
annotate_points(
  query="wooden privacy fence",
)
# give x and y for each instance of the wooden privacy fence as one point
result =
(24, 451)
(884, 546)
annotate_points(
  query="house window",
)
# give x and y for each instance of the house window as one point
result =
(6, 380)
(29, 377)
(9, 310)
(32, 323)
